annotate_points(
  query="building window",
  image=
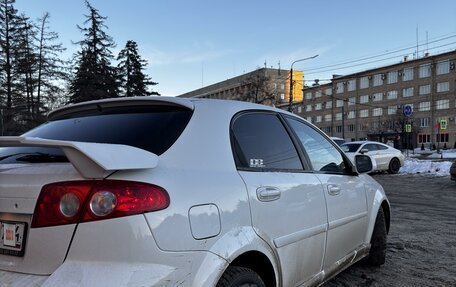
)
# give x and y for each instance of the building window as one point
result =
(442, 104)
(378, 80)
(425, 106)
(351, 101)
(309, 119)
(318, 94)
(424, 138)
(339, 87)
(377, 97)
(328, 91)
(443, 137)
(443, 87)
(392, 110)
(391, 95)
(338, 116)
(318, 106)
(425, 70)
(443, 67)
(424, 122)
(377, 112)
(407, 74)
(282, 86)
(351, 128)
(392, 77)
(364, 99)
(308, 108)
(338, 129)
(425, 90)
(308, 95)
(351, 86)
(339, 103)
(318, 119)
(282, 96)
(407, 92)
(363, 113)
(364, 83)
(299, 109)
(351, 115)
(329, 104)
(328, 118)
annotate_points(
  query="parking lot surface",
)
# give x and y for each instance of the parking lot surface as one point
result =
(422, 238)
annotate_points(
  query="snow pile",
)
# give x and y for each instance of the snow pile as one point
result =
(444, 154)
(414, 166)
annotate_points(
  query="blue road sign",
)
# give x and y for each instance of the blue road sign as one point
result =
(408, 110)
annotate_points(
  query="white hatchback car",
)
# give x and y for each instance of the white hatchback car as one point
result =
(386, 157)
(158, 191)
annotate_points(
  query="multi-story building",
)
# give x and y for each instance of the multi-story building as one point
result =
(264, 85)
(364, 105)
(371, 104)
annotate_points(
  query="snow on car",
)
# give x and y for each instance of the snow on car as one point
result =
(164, 191)
(386, 157)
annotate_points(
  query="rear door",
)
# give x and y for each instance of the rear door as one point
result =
(344, 192)
(287, 202)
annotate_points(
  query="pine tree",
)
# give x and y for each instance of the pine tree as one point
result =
(8, 40)
(51, 69)
(133, 82)
(94, 78)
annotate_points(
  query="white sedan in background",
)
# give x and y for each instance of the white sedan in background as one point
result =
(386, 157)
(156, 191)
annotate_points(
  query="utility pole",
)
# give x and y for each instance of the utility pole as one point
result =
(290, 100)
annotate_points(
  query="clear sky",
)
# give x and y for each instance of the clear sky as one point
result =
(190, 43)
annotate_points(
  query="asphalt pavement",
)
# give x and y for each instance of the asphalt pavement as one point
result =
(422, 238)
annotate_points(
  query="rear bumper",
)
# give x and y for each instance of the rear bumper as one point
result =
(122, 252)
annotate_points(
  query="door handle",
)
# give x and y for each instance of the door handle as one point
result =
(268, 193)
(333, 189)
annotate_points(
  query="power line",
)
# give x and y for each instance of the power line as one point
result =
(354, 60)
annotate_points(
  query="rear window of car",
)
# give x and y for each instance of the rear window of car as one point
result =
(154, 129)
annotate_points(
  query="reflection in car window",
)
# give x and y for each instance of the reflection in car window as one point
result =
(322, 154)
(261, 141)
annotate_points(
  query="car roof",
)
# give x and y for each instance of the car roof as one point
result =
(188, 103)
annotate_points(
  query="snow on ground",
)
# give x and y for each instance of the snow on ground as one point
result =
(429, 162)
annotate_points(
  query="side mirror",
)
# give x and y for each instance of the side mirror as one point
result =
(364, 150)
(364, 163)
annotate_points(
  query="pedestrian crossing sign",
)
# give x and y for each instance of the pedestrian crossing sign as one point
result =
(443, 124)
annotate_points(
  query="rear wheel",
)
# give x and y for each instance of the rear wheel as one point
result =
(394, 166)
(377, 253)
(236, 276)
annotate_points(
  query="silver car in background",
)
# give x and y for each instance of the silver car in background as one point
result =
(386, 157)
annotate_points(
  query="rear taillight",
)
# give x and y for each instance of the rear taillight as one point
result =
(88, 200)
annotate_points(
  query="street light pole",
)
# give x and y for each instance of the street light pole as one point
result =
(290, 100)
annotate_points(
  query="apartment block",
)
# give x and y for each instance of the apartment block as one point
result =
(412, 103)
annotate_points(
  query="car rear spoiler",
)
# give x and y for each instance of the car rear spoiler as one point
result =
(92, 160)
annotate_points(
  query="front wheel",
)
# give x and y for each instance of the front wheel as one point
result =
(377, 253)
(394, 166)
(236, 276)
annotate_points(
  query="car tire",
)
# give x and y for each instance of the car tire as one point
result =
(236, 276)
(377, 253)
(394, 166)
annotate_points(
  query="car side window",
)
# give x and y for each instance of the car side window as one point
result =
(381, 147)
(322, 154)
(370, 147)
(260, 141)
